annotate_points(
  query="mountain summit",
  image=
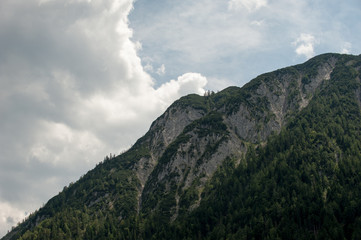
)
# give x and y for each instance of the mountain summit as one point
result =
(279, 158)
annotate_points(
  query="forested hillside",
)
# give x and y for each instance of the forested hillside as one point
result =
(279, 158)
(305, 183)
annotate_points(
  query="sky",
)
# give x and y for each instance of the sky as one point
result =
(80, 79)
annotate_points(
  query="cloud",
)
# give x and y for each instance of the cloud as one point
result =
(346, 48)
(73, 90)
(188, 82)
(238, 40)
(217, 84)
(194, 36)
(305, 45)
(77, 82)
(9, 216)
(148, 67)
(161, 70)
(250, 5)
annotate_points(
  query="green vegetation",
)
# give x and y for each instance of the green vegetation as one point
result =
(303, 183)
(194, 101)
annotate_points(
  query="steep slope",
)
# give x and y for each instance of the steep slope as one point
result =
(305, 183)
(236, 118)
(205, 160)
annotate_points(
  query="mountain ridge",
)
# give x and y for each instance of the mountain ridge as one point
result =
(166, 176)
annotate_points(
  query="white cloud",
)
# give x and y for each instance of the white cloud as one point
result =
(73, 90)
(148, 67)
(185, 84)
(194, 34)
(257, 23)
(223, 38)
(346, 48)
(161, 70)
(218, 84)
(73, 87)
(59, 144)
(305, 45)
(9, 217)
(250, 5)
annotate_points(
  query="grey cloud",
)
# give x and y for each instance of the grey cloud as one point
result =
(48, 67)
(206, 37)
(10, 220)
(48, 38)
(72, 90)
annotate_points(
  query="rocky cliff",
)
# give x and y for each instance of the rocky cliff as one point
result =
(167, 172)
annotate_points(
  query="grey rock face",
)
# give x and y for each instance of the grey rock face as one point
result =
(167, 170)
(264, 110)
(283, 94)
(164, 130)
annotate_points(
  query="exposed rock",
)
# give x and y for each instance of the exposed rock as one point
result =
(169, 167)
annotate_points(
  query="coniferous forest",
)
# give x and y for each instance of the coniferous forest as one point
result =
(301, 182)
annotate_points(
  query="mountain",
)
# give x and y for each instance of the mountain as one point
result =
(279, 158)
